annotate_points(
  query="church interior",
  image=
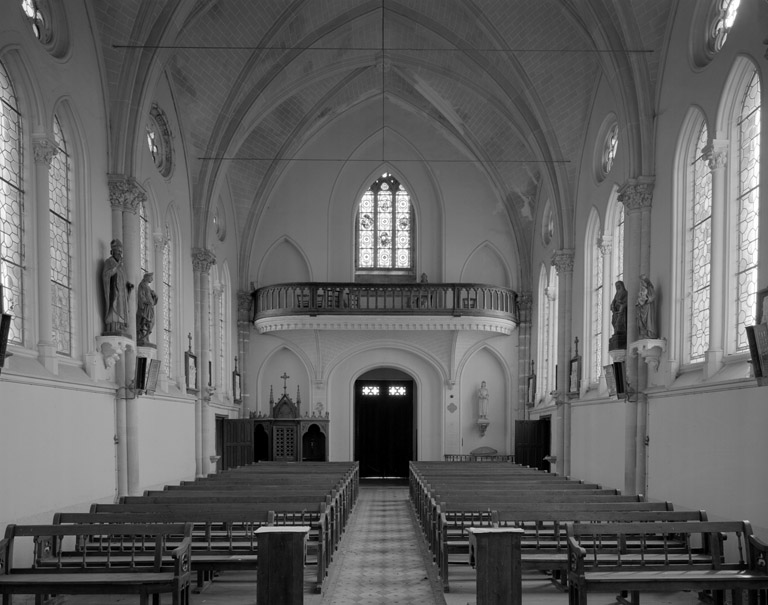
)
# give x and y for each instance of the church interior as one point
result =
(383, 231)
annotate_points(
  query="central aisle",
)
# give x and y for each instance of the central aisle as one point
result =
(381, 558)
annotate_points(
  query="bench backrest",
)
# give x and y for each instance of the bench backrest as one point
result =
(51, 542)
(653, 544)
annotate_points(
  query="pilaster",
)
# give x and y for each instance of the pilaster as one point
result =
(562, 260)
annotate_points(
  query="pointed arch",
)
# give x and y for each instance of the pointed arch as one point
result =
(284, 261)
(594, 293)
(486, 264)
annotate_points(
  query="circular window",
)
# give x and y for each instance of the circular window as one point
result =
(159, 141)
(606, 147)
(547, 224)
(710, 26)
(41, 15)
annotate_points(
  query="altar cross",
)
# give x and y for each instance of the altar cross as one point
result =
(285, 378)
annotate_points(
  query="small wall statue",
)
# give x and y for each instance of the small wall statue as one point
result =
(117, 288)
(482, 400)
(619, 318)
(646, 309)
(145, 310)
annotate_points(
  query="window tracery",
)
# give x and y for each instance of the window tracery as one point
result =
(60, 243)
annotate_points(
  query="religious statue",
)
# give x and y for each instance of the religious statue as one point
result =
(482, 398)
(646, 309)
(145, 310)
(619, 318)
(117, 288)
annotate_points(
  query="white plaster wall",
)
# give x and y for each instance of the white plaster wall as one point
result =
(56, 449)
(166, 441)
(707, 450)
(597, 445)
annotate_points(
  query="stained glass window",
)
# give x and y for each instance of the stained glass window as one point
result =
(547, 349)
(220, 293)
(610, 146)
(385, 227)
(618, 245)
(725, 15)
(60, 243)
(168, 301)
(397, 391)
(699, 248)
(11, 208)
(595, 303)
(36, 17)
(143, 239)
(371, 390)
(748, 204)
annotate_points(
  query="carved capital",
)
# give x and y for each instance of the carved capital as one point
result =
(637, 194)
(525, 301)
(605, 244)
(202, 259)
(160, 240)
(562, 260)
(44, 148)
(716, 154)
(125, 193)
(243, 303)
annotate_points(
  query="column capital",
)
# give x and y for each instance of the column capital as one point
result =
(716, 153)
(243, 304)
(605, 244)
(202, 259)
(637, 194)
(44, 147)
(160, 240)
(525, 300)
(125, 193)
(563, 260)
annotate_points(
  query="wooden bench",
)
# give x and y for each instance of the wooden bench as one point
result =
(224, 532)
(544, 541)
(617, 558)
(155, 560)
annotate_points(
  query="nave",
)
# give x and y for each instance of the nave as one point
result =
(383, 559)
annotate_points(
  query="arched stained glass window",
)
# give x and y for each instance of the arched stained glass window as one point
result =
(168, 302)
(595, 293)
(385, 229)
(748, 205)
(143, 238)
(61, 245)
(698, 247)
(11, 208)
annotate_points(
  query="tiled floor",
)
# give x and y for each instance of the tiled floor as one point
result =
(382, 560)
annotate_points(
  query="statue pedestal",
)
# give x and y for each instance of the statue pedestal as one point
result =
(660, 372)
(147, 350)
(109, 349)
(482, 424)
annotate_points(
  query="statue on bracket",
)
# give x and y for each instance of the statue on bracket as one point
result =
(646, 309)
(145, 310)
(117, 288)
(619, 318)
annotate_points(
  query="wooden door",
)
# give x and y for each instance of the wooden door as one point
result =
(284, 443)
(236, 442)
(532, 442)
(384, 427)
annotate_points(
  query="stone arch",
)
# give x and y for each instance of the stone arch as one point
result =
(285, 261)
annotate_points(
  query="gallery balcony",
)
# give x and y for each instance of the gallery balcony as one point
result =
(411, 306)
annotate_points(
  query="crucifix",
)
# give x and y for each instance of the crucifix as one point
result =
(285, 378)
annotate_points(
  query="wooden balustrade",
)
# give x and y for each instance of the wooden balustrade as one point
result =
(339, 298)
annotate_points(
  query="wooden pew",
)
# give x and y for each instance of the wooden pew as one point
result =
(150, 567)
(224, 532)
(614, 558)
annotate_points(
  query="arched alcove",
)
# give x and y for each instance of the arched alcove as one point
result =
(486, 266)
(284, 262)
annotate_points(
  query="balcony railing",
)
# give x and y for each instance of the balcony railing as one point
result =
(331, 298)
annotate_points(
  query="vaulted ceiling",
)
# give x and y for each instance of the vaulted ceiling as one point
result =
(507, 83)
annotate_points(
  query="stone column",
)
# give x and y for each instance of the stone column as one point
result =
(44, 148)
(243, 341)
(202, 261)
(637, 197)
(524, 309)
(125, 196)
(160, 241)
(563, 263)
(717, 155)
